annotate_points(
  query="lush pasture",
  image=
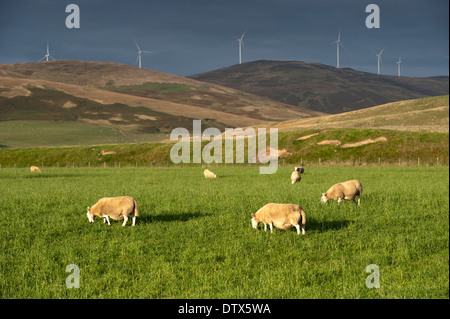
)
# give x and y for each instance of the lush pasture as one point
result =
(194, 239)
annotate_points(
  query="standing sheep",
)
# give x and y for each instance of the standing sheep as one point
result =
(117, 208)
(209, 174)
(282, 216)
(346, 190)
(295, 176)
(35, 169)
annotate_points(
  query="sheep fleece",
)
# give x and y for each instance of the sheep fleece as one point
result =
(115, 207)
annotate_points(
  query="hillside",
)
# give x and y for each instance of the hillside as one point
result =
(156, 85)
(118, 104)
(300, 147)
(426, 114)
(320, 87)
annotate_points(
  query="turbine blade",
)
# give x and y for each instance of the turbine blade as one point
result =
(137, 46)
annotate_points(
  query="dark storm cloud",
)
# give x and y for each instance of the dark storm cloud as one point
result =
(192, 36)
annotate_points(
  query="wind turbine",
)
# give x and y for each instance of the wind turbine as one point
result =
(338, 44)
(379, 59)
(398, 65)
(139, 53)
(241, 43)
(47, 55)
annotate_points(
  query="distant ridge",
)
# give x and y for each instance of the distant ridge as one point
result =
(321, 87)
(118, 103)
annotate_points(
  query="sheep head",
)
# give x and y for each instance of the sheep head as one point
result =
(89, 215)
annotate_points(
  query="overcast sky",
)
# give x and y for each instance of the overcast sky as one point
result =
(193, 36)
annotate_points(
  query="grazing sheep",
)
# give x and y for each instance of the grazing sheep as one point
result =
(282, 216)
(209, 174)
(35, 169)
(102, 152)
(295, 176)
(346, 190)
(117, 208)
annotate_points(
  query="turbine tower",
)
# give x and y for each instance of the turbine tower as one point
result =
(139, 54)
(398, 65)
(241, 43)
(338, 44)
(379, 59)
(47, 55)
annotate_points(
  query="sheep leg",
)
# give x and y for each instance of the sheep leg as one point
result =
(271, 228)
(298, 229)
(125, 219)
(359, 200)
(106, 218)
(134, 220)
(339, 200)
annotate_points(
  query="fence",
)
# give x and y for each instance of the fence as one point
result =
(282, 162)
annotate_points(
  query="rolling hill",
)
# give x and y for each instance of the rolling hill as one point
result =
(129, 104)
(320, 87)
(423, 115)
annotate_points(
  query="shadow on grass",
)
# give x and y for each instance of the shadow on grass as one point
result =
(170, 217)
(55, 175)
(323, 226)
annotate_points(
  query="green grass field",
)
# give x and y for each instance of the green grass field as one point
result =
(194, 239)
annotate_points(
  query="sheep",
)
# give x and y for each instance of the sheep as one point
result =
(209, 174)
(35, 169)
(117, 208)
(346, 190)
(283, 216)
(295, 176)
(102, 152)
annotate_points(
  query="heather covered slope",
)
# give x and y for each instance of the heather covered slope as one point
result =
(321, 87)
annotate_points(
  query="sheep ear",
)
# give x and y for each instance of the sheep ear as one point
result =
(253, 215)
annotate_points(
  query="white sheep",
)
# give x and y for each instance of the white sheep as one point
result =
(209, 174)
(282, 216)
(102, 152)
(295, 176)
(117, 208)
(35, 169)
(345, 190)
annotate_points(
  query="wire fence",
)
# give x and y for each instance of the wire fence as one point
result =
(281, 163)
